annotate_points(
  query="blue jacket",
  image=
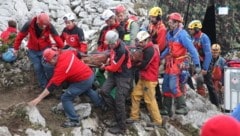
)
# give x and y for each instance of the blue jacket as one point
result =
(203, 44)
(181, 36)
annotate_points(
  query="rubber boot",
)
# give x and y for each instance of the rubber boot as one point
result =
(181, 107)
(167, 106)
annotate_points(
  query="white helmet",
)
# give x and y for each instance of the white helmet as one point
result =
(142, 35)
(111, 37)
(107, 14)
(69, 17)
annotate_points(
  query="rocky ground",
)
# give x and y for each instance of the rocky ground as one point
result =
(13, 115)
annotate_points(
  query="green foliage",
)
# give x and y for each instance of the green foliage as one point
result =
(8, 43)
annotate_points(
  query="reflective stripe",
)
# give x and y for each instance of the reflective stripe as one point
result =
(181, 57)
(127, 37)
(70, 64)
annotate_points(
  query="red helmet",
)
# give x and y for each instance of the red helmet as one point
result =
(49, 53)
(43, 19)
(175, 16)
(120, 8)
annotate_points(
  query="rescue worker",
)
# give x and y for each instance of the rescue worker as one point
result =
(202, 43)
(176, 53)
(70, 69)
(148, 79)
(73, 35)
(130, 26)
(157, 28)
(120, 77)
(111, 23)
(218, 71)
(39, 29)
(158, 33)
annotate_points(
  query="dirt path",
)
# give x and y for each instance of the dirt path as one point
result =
(12, 97)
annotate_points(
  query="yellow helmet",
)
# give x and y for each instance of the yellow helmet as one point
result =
(195, 24)
(216, 48)
(155, 11)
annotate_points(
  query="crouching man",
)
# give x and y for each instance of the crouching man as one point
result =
(79, 76)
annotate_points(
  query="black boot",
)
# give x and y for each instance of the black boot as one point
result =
(167, 106)
(181, 107)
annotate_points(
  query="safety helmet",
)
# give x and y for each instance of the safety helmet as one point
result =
(142, 35)
(216, 48)
(120, 8)
(9, 56)
(155, 11)
(49, 53)
(107, 14)
(111, 37)
(69, 17)
(175, 16)
(43, 19)
(195, 24)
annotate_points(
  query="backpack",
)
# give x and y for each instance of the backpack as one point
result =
(9, 56)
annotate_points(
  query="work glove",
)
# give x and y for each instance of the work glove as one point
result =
(198, 69)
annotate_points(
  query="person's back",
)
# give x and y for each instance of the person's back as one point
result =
(8, 35)
(70, 68)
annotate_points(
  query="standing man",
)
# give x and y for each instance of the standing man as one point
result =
(218, 71)
(68, 68)
(73, 35)
(120, 76)
(130, 26)
(176, 53)
(156, 28)
(158, 33)
(148, 79)
(39, 30)
(202, 43)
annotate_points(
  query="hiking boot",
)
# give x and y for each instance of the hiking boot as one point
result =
(181, 107)
(116, 130)
(68, 124)
(130, 120)
(167, 107)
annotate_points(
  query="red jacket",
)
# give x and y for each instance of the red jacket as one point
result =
(74, 38)
(70, 69)
(158, 34)
(5, 34)
(101, 41)
(38, 39)
(150, 64)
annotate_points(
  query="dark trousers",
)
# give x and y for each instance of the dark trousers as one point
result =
(211, 91)
(123, 86)
(158, 96)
